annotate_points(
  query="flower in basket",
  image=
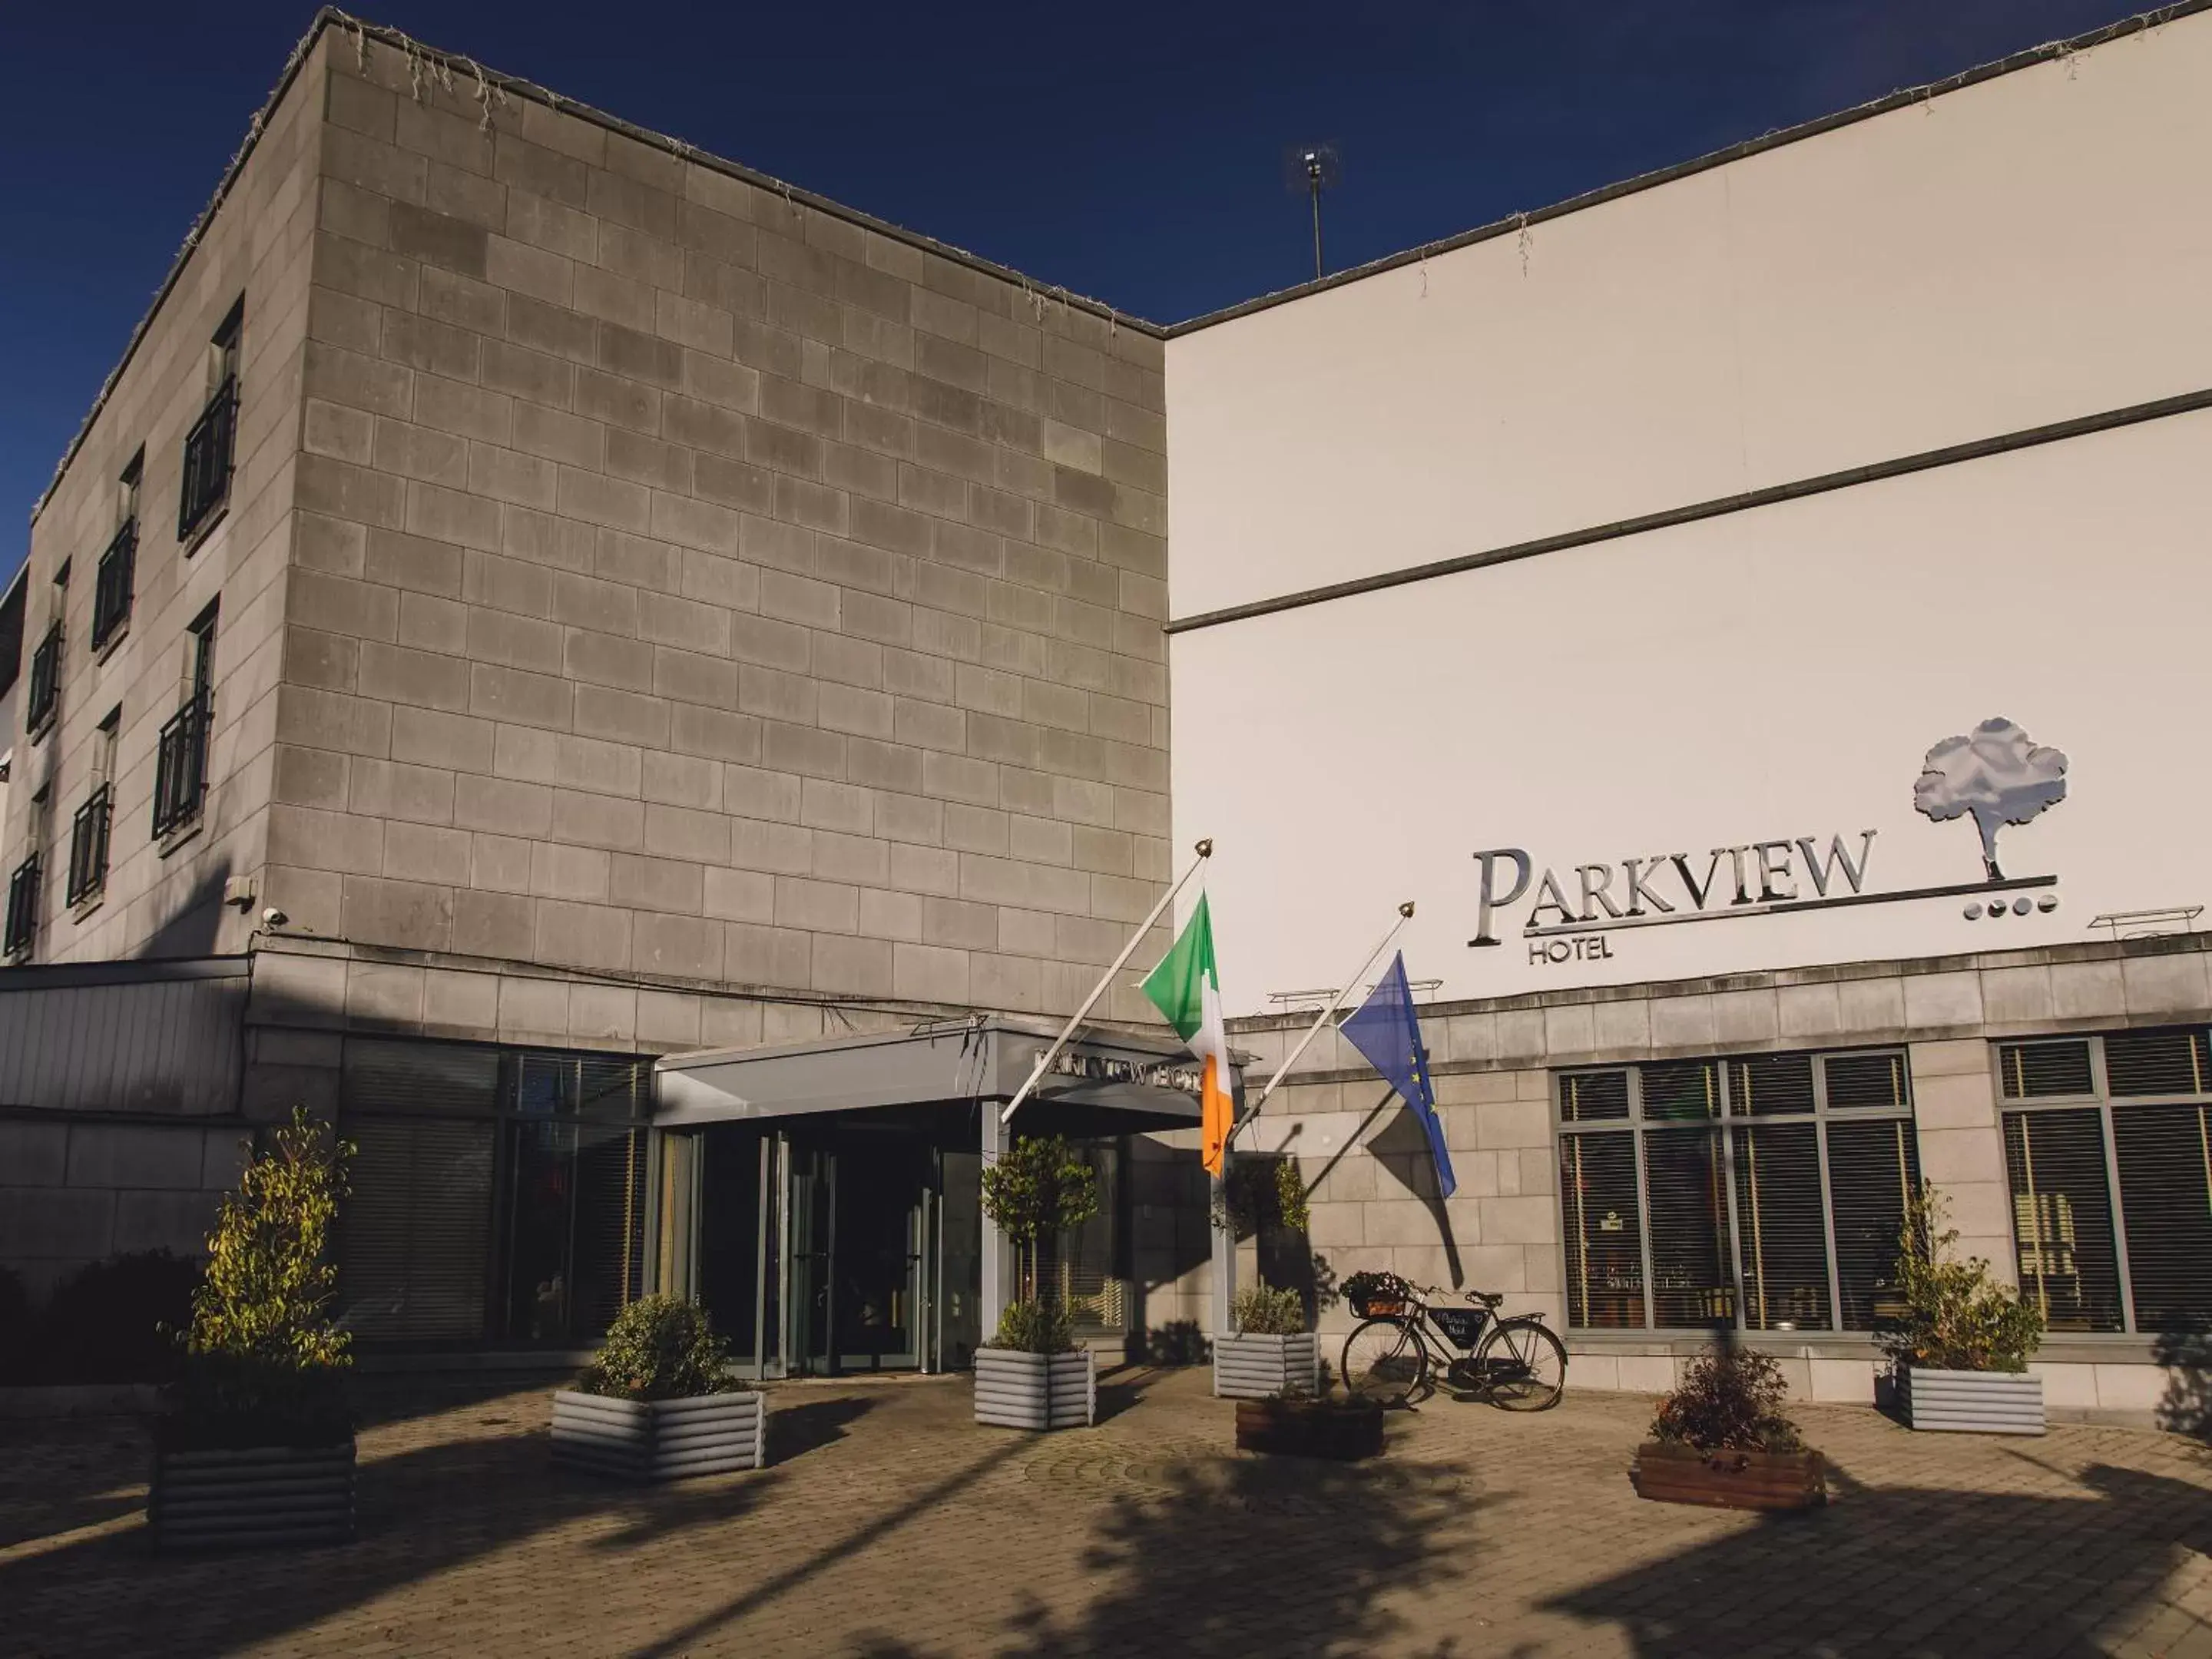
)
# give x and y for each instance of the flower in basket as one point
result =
(1728, 1400)
(1377, 1293)
(660, 1348)
(264, 1360)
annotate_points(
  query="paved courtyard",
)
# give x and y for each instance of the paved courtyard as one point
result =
(890, 1526)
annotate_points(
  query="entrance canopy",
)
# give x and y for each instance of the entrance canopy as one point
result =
(1102, 1082)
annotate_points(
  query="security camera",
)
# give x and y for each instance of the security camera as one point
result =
(272, 917)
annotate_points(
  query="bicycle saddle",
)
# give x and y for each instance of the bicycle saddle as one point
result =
(1484, 1298)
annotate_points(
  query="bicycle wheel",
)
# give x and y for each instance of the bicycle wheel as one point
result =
(1384, 1362)
(1522, 1366)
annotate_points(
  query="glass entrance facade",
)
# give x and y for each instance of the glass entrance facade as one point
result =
(853, 1242)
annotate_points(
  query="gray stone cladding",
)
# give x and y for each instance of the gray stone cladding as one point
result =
(633, 570)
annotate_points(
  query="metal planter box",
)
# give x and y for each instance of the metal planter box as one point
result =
(1266, 1367)
(1971, 1402)
(1017, 1390)
(253, 1497)
(661, 1439)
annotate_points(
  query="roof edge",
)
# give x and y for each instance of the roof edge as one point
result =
(1514, 224)
(515, 85)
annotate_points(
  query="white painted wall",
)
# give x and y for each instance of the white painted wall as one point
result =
(2031, 248)
(2026, 250)
(1775, 673)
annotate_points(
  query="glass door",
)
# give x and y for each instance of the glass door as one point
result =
(881, 1223)
(956, 1277)
(810, 1280)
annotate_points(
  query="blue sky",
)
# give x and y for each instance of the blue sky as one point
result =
(1131, 153)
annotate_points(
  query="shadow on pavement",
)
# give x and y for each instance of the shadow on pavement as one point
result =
(1908, 1571)
(422, 1511)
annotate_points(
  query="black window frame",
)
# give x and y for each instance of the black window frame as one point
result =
(114, 582)
(1619, 1114)
(181, 763)
(210, 446)
(528, 1104)
(24, 887)
(2018, 1099)
(42, 697)
(90, 830)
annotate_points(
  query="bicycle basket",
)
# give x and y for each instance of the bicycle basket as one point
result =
(1379, 1296)
(1463, 1326)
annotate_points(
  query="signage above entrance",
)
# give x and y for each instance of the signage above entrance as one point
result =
(1994, 775)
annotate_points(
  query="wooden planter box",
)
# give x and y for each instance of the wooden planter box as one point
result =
(1016, 1390)
(1266, 1367)
(253, 1497)
(1971, 1402)
(661, 1439)
(1309, 1428)
(1728, 1479)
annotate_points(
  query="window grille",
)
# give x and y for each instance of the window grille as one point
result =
(1765, 1192)
(87, 873)
(181, 766)
(112, 585)
(207, 459)
(43, 695)
(23, 908)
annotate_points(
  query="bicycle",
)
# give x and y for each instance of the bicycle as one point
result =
(1392, 1355)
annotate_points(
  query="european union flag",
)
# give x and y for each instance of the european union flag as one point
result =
(1385, 1029)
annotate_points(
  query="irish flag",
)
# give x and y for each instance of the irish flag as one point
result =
(1185, 987)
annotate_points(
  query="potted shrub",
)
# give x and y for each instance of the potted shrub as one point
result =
(1721, 1440)
(1032, 1375)
(258, 1448)
(652, 1405)
(1960, 1342)
(1270, 1353)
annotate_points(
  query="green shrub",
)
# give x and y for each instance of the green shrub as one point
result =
(1728, 1400)
(1955, 1317)
(1259, 1311)
(1035, 1191)
(265, 1363)
(1032, 1327)
(660, 1348)
(116, 1321)
(1260, 1193)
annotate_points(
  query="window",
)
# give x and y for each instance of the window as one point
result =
(499, 1195)
(88, 875)
(44, 697)
(112, 585)
(181, 751)
(23, 908)
(1765, 1193)
(208, 446)
(2108, 1149)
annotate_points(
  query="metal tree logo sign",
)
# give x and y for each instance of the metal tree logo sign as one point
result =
(1996, 776)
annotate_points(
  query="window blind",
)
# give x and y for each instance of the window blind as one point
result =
(1594, 1097)
(2063, 1217)
(1691, 1246)
(412, 1238)
(1681, 1090)
(2034, 1071)
(1778, 1215)
(1874, 1170)
(1770, 1083)
(2138, 1063)
(1605, 1230)
(2165, 1194)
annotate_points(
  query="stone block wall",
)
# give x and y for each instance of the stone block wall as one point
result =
(257, 244)
(695, 584)
(1372, 1195)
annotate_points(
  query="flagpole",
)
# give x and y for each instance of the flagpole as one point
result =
(1205, 851)
(1405, 916)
